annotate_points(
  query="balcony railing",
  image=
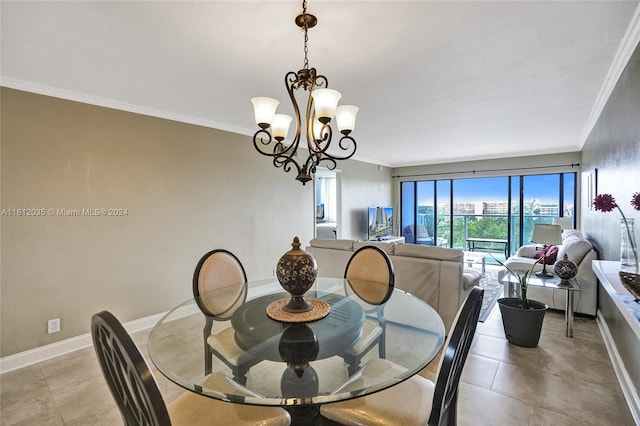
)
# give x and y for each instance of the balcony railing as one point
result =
(465, 226)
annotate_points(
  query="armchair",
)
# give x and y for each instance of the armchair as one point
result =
(579, 250)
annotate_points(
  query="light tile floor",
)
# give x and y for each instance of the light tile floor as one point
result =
(563, 381)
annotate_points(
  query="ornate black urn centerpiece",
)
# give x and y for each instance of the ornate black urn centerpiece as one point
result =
(565, 269)
(296, 272)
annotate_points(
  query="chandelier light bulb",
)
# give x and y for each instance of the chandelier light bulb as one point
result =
(325, 102)
(264, 109)
(280, 126)
(317, 129)
(346, 118)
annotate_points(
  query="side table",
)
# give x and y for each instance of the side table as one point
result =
(510, 283)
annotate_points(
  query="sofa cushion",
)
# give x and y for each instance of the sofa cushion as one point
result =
(429, 252)
(387, 247)
(527, 251)
(522, 264)
(575, 249)
(332, 243)
(571, 233)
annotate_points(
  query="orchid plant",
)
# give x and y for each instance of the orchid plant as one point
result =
(606, 203)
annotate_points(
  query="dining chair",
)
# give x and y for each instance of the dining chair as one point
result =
(416, 401)
(370, 276)
(138, 397)
(219, 288)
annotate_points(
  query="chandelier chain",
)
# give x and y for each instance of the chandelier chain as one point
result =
(306, 35)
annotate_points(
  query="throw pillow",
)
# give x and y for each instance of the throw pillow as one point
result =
(551, 253)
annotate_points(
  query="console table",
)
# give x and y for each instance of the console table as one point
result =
(620, 327)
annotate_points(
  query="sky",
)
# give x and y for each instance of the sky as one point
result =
(542, 187)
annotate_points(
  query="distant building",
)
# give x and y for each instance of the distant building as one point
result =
(531, 207)
(500, 207)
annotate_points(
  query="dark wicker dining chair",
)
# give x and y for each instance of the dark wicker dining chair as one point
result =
(137, 395)
(416, 401)
(370, 276)
(219, 288)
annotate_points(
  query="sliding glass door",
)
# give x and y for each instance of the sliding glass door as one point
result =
(480, 210)
(453, 212)
(443, 213)
(418, 212)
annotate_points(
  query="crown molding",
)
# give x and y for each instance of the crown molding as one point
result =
(40, 89)
(627, 46)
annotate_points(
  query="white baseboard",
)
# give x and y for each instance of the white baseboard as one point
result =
(628, 389)
(42, 353)
(63, 347)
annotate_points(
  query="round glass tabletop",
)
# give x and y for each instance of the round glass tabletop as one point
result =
(293, 364)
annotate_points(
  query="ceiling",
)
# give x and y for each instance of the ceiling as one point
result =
(436, 82)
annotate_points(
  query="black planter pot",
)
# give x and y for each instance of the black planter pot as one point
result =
(522, 327)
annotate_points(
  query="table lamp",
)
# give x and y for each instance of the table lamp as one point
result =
(547, 235)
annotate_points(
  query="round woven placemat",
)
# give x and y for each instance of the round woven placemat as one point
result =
(319, 310)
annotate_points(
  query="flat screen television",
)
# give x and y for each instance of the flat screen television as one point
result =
(380, 223)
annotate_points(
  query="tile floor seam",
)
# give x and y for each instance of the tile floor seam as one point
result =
(51, 395)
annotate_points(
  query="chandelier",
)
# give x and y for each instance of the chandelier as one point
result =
(322, 107)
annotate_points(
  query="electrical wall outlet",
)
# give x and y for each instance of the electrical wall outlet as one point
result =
(53, 326)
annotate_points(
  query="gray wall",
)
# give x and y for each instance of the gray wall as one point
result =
(613, 147)
(363, 185)
(187, 189)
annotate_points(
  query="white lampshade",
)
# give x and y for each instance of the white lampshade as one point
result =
(264, 109)
(280, 126)
(547, 234)
(346, 118)
(325, 102)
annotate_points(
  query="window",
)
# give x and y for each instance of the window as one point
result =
(447, 212)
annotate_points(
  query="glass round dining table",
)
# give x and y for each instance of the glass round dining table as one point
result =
(297, 365)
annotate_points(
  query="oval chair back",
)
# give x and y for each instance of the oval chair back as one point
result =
(127, 373)
(134, 388)
(370, 275)
(219, 288)
(219, 284)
